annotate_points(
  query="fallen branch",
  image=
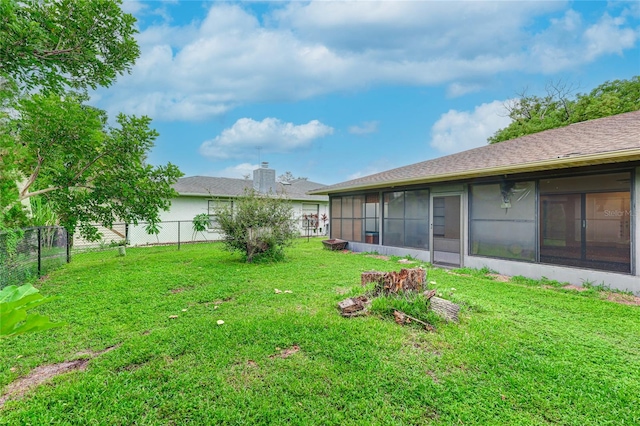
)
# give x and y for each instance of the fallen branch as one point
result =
(402, 318)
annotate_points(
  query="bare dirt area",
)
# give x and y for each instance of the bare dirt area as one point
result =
(611, 296)
(41, 374)
(624, 299)
(500, 278)
(378, 256)
(574, 287)
(286, 353)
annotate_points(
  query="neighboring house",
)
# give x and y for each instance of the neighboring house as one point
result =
(561, 204)
(202, 194)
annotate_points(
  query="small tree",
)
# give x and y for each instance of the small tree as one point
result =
(200, 224)
(259, 226)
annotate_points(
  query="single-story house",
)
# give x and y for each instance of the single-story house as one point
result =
(202, 194)
(561, 204)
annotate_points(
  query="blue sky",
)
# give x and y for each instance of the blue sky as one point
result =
(337, 90)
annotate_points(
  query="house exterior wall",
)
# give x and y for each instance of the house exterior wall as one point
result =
(530, 267)
(177, 222)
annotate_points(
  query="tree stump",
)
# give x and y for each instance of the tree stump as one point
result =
(445, 309)
(395, 282)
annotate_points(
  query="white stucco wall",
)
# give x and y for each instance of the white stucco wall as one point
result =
(176, 222)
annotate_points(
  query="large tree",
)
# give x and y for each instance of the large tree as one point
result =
(532, 114)
(55, 146)
(64, 151)
(57, 44)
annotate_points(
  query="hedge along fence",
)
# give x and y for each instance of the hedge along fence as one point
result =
(30, 253)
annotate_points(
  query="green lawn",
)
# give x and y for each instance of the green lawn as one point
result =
(522, 353)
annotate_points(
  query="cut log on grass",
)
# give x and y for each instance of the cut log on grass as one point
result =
(445, 309)
(395, 282)
(354, 306)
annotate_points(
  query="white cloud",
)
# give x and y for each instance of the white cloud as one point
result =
(461, 130)
(301, 50)
(364, 129)
(238, 171)
(269, 135)
(133, 6)
(569, 42)
(607, 36)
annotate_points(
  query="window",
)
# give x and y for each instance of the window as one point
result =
(406, 219)
(503, 220)
(216, 205)
(310, 218)
(585, 221)
(347, 215)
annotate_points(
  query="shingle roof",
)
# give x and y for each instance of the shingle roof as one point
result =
(228, 187)
(605, 140)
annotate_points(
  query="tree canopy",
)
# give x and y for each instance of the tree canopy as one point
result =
(58, 44)
(54, 145)
(532, 114)
(64, 151)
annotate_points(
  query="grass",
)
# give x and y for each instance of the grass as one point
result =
(522, 354)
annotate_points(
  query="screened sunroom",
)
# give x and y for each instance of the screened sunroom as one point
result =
(582, 220)
(560, 204)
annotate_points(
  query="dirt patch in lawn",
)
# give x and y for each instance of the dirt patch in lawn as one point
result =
(94, 354)
(41, 374)
(500, 278)
(624, 299)
(574, 287)
(458, 274)
(378, 256)
(286, 353)
(611, 296)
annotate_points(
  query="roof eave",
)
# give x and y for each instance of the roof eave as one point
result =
(196, 194)
(552, 164)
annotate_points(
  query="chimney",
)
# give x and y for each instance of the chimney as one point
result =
(264, 179)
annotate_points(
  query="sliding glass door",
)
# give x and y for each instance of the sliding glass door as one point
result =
(587, 229)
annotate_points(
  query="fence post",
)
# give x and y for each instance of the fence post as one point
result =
(178, 235)
(69, 236)
(39, 252)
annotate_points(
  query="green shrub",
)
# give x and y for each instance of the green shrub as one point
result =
(257, 225)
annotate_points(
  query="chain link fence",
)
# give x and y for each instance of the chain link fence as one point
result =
(168, 233)
(30, 253)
